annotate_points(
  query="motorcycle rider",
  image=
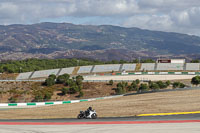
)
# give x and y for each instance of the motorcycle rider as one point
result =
(87, 112)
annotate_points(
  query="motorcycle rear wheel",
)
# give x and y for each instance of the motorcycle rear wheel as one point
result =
(79, 116)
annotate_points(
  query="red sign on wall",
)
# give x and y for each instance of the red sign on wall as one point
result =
(164, 61)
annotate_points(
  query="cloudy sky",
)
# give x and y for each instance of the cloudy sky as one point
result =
(165, 15)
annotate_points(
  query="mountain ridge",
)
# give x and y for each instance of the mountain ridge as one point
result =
(48, 38)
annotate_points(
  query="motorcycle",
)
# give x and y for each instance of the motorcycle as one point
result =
(91, 115)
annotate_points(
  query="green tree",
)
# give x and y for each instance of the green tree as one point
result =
(143, 87)
(176, 84)
(133, 86)
(195, 80)
(73, 89)
(182, 85)
(53, 76)
(110, 82)
(121, 87)
(49, 81)
(65, 91)
(161, 84)
(194, 61)
(79, 79)
(154, 86)
(168, 83)
(61, 79)
(119, 90)
(137, 81)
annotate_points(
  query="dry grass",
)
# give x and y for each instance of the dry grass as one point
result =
(162, 102)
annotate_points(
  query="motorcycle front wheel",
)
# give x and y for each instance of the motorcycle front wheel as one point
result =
(94, 116)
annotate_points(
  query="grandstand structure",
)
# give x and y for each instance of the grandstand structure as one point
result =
(162, 68)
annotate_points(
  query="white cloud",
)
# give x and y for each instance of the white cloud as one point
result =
(167, 15)
(152, 22)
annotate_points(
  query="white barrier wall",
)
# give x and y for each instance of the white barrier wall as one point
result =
(23, 75)
(147, 66)
(66, 70)
(169, 66)
(44, 73)
(84, 69)
(129, 67)
(106, 68)
(192, 66)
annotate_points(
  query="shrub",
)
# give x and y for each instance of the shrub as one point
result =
(53, 76)
(73, 89)
(65, 91)
(42, 94)
(154, 86)
(195, 80)
(161, 84)
(49, 81)
(168, 83)
(119, 90)
(111, 82)
(182, 85)
(137, 81)
(13, 99)
(143, 87)
(67, 76)
(38, 96)
(47, 95)
(62, 79)
(81, 94)
(133, 86)
(79, 79)
(176, 84)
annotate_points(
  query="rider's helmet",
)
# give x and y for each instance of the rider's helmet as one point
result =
(90, 108)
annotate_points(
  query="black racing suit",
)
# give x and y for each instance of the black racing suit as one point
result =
(87, 112)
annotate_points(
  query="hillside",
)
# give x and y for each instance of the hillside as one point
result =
(105, 42)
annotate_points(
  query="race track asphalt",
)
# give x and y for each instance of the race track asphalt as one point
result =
(148, 124)
(109, 119)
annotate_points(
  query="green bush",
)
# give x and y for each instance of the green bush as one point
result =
(133, 86)
(81, 94)
(13, 99)
(182, 85)
(79, 80)
(111, 82)
(42, 94)
(178, 85)
(61, 79)
(47, 95)
(137, 81)
(49, 81)
(161, 84)
(119, 90)
(195, 80)
(53, 76)
(38, 96)
(168, 83)
(143, 87)
(154, 86)
(65, 91)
